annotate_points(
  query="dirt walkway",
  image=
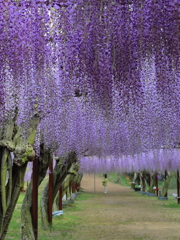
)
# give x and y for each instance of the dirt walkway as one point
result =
(123, 214)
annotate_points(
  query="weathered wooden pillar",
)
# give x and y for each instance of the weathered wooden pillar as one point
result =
(150, 179)
(178, 192)
(35, 197)
(50, 192)
(60, 198)
(156, 182)
(73, 187)
(143, 182)
(165, 178)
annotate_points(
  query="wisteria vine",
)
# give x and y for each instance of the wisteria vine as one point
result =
(103, 76)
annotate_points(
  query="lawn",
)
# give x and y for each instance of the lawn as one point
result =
(63, 226)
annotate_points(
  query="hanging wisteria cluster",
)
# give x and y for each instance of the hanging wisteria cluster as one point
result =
(151, 161)
(103, 76)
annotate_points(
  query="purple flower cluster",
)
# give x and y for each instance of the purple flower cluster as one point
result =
(101, 75)
(151, 161)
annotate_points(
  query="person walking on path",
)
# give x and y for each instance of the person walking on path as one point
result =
(105, 183)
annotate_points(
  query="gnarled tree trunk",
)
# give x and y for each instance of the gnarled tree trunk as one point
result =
(13, 168)
(71, 177)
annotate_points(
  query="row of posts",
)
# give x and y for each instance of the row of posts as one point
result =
(73, 187)
(156, 183)
(50, 195)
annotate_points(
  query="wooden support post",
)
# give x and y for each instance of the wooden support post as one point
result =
(72, 186)
(165, 178)
(60, 198)
(35, 197)
(156, 182)
(149, 176)
(178, 192)
(50, 192)
(75, 187)
(143, 182)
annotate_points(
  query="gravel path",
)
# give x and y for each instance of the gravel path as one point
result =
(123, 214)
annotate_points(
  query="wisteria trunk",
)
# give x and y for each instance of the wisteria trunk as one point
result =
(152, 183)
(27, 232)
(12, 195)
(14, 156)
(66, 186)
